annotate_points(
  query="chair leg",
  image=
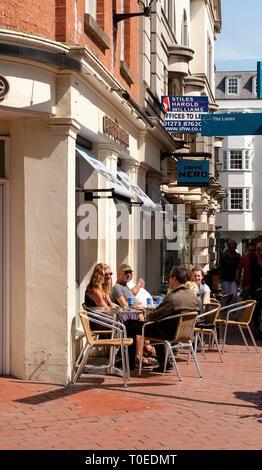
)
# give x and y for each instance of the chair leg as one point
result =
(224, 338)
(82, 365)
(166, 357)
(243, 336)
(127, 362)
(252, 338)
(141, 354)
(214, 336)
(174, 362)
(201, 340)
(195, 359)
(78, 361)
(123, 356)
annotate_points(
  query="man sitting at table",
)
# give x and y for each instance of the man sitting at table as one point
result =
(139, 290)
(180, 300)
(120, 295)
(120, 291)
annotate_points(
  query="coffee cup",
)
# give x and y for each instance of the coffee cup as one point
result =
(149, 301)
(158, 300)
(131, 300)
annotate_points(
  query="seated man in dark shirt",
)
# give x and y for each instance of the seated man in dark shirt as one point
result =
(180, 300)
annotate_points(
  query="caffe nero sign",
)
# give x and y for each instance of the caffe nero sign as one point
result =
(192, 172)
(4, 87)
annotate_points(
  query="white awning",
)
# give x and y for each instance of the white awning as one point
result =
(147, 202)
(117, 187)
(158, 192)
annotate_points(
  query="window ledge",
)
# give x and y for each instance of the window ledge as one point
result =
(126, 73)
(92, 27)
(237, 211)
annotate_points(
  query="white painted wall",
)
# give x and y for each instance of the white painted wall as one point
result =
(242, 220)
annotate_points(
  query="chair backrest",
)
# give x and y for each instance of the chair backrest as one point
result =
(185, 327)
(248, 310)
(214, 309)
(86, 325)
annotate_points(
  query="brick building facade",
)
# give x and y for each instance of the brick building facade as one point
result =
(85, 92)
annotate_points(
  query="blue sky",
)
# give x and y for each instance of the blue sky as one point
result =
(239, 45)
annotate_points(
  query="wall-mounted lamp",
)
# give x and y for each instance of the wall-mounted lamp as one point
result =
(123, 16)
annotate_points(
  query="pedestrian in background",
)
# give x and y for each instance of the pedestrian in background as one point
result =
(243, 272)
(228, 265)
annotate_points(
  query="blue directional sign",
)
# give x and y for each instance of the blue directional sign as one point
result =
(231, 124)
(259, 80)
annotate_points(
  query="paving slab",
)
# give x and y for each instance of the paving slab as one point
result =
(221, 411)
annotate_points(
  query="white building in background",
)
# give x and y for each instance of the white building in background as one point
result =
(240, 156)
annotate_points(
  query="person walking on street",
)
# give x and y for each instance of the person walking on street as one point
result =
(229, 262)
(243, 272)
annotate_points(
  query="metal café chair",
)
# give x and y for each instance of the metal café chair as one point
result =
(182, 339)
(80, 334)
(119, 341)
(246, 309)
(207, 326)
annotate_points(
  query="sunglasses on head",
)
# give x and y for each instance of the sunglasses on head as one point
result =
(128, 271)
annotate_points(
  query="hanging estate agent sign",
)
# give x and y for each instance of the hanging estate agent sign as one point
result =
(113, 129)
(183, 113)
(4, 87)
(192, 172)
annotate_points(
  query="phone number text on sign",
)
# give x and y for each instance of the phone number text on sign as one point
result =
(182, 126)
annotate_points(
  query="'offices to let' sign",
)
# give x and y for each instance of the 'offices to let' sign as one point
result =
(183, 113)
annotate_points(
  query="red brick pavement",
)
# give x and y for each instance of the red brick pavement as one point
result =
(223, 410)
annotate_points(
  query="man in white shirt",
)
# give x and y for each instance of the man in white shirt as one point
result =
(139, 290)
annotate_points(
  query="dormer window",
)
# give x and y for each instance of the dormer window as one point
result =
(232, 85)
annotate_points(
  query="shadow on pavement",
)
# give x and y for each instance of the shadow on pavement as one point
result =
(252, 397)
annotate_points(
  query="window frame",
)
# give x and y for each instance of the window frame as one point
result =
(227, 158)
(245, 200)
(91, 8)
(230, 86)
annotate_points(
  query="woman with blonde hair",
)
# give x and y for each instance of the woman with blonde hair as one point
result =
(191, 283)
(97, 295)
(98, 289)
